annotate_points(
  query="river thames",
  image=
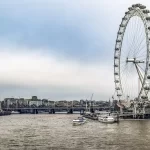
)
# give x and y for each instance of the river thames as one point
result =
(55, 132)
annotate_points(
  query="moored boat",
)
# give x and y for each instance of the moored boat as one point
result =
(108, 118)
(79, 121)
(15, 112)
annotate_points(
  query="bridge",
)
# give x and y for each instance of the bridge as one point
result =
(52, 110)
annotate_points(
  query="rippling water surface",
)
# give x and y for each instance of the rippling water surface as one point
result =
(54, 132)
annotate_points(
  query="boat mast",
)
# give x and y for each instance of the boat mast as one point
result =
(91, 102)
(86, 105)
(109, 105)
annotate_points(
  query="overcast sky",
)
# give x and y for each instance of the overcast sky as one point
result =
(59, 49)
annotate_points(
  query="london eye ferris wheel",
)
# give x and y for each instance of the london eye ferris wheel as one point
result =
(132, 54)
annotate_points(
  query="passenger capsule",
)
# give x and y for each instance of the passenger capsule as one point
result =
(137, 5)
(142, 6)
(147, 88)
(116, 73)
(146, 11)
(127, 12)
(116, 57)
(124, 18)
(118, 41)
(117, 88)
(119, 33)
(148, 18)
(117, 49)
(116, 81)
(130, 8)
(144, 97)
(116, 65)
(122, 25)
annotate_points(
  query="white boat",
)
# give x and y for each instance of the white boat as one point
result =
(106, 119)
(15, 112)
(79, 121)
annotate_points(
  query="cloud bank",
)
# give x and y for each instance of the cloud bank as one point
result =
(37, 71)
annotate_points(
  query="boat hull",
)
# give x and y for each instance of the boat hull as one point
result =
(107, 119)
(15, 112)
(79, 121)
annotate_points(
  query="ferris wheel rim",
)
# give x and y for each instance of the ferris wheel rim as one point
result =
(141, 12)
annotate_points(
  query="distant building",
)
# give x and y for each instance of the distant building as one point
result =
(45, 102)
(9, 101)
(60, 103)
(51, 103)
(20, 101)
(82, 102)
(34, 98)
(76, 103)
(35, 103)
(26, 101)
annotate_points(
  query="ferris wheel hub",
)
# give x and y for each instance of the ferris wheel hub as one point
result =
(134, 60)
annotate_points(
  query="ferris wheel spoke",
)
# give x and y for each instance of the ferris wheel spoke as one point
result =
(137, 47)
(123, 62)
(125, 84)
(125, 67)
(123, 73)
(135, 36)
(131, 40)
(130, 82)
(124, 81)
(140, 36)
(141, 43)
(140, 47)
(124, 78)
(143, 53)
(128, 41)
(135, 29)
(141, 58)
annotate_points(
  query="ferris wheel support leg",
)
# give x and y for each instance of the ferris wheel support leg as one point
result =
(134, 112)
(143, 112)
(139, 73)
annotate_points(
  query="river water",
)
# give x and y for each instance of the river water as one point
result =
(55, 132)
